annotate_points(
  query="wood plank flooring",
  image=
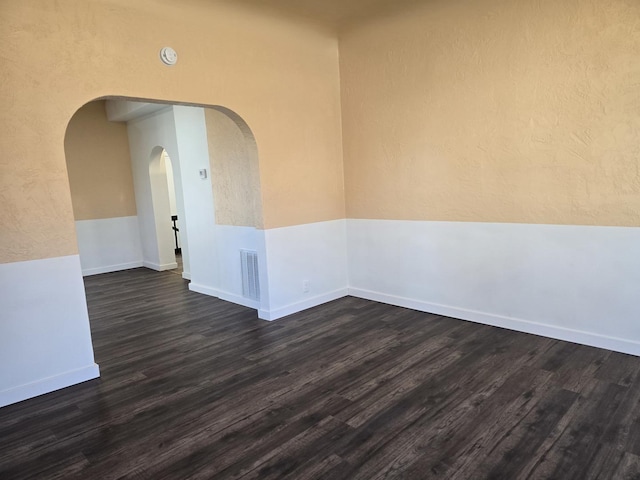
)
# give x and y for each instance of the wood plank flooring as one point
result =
(196, 388)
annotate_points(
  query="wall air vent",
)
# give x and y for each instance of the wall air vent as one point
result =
(250, 279)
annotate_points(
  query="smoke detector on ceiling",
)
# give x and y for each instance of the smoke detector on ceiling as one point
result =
(168, 56)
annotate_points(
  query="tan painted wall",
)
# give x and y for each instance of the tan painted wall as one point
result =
(235, 173)
(99, 165)
(280, 76)
(495, 111)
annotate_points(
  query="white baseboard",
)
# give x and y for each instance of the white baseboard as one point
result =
(195, 287)
(160, 268)
(517, 324)
(226, 296)
(238, 299)
(46, 385)
(277, 313)
(110, 268)
(186, 275)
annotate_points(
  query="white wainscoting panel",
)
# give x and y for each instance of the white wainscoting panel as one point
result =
(575, 283)
(45, 339)
(226, 282)
(109, 245)
(309, 257)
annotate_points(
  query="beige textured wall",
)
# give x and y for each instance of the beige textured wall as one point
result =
(235, 173)
(496, 111)
(280, 76)
(99, 165)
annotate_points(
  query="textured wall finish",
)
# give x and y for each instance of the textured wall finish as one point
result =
(280, 76)
(99, 165)
(494, 110)
(235, 172)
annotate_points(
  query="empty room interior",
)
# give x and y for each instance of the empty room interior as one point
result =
(320, 239)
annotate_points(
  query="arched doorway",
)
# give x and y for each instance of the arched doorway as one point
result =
(214, 161)
(165, 210)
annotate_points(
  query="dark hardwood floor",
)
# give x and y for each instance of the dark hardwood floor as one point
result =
(196, 388)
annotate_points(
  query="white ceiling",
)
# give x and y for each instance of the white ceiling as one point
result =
(119, 110)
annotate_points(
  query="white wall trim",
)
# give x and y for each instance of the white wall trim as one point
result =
(517, 324)
(86, 272)
(186, 275)
(159, 268)
(196, 287)
(240, 300)
(292, 308)
(222, 295)
(47, 385)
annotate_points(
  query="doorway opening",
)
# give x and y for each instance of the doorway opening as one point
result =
(165, 205)
(170, 188)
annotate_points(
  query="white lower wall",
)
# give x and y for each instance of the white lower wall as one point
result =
(569, 282)
(45, 340)
(109, 245)
(574, 283)
(287, 257)
(315, 252)
(227, 281)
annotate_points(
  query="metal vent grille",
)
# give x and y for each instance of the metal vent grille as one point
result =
(250, 279)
